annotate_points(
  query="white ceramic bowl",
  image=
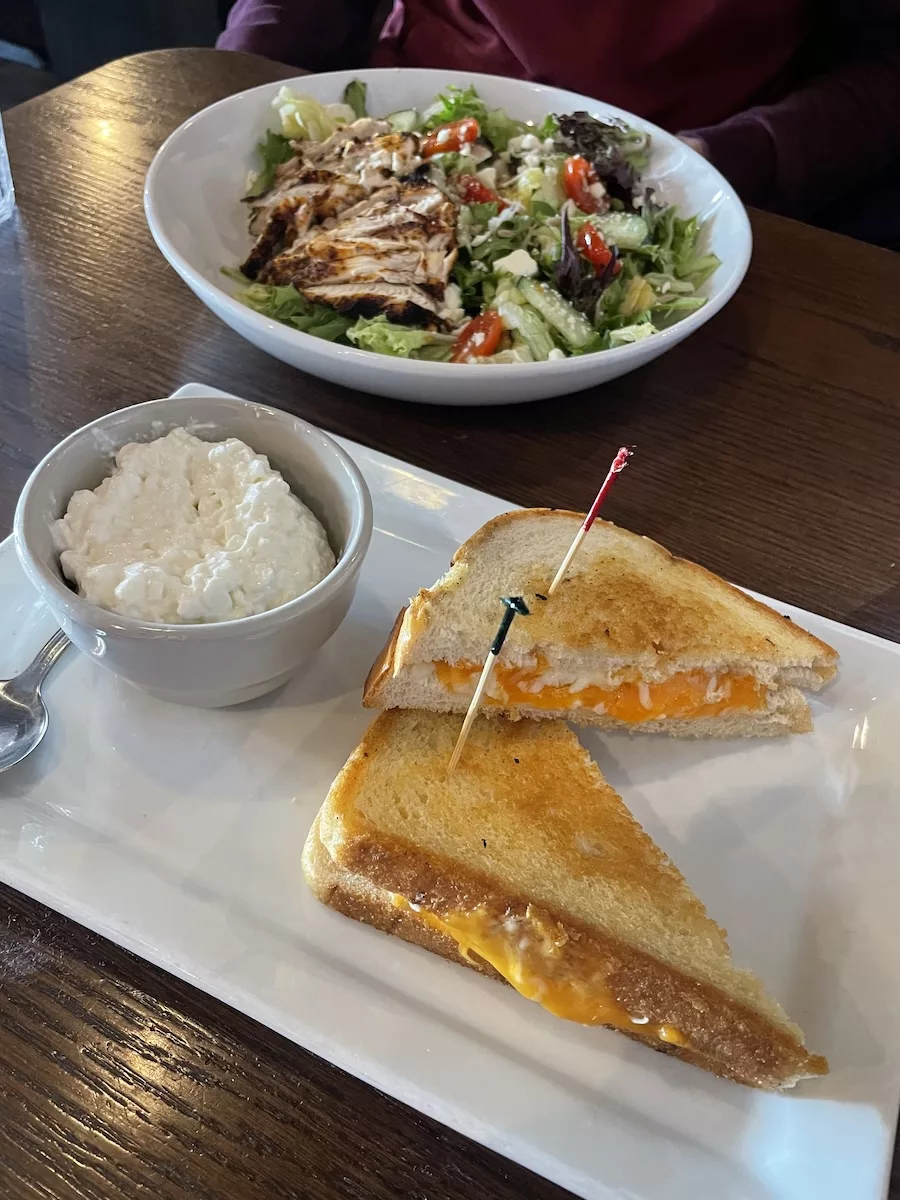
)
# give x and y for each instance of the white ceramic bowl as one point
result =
(192, 201)
(223, 662)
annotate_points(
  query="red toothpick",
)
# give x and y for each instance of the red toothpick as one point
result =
(619, 464)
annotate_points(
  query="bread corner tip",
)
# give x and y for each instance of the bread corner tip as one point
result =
(383, 666)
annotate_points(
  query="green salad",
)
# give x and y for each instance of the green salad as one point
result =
(462, 234)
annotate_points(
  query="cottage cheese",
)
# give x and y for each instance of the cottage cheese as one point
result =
(191, 531)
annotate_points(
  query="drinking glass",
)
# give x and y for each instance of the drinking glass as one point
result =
(7, 193)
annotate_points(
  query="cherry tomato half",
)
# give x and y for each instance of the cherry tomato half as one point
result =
(473, 191)
(591, 244)
(578, 175)
(452, 136)
(479, 338)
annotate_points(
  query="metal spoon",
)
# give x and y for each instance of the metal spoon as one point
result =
(23, 714)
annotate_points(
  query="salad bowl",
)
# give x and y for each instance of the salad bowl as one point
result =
(193, 203)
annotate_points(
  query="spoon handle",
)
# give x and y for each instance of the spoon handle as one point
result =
(44, 659)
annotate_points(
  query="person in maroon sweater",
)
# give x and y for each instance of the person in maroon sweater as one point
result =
(797, 102)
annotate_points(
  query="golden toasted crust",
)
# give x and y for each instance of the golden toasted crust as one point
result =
(355, 897)
(627, 604)
(383, 667)
(724, 1038)
(493, 838)
(584, 619)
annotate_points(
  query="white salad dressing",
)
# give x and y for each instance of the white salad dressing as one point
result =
(185, 530)
(452, 311)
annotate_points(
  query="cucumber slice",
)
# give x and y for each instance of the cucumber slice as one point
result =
(405, 120)
(526, 322)
(576, 329)
(627, 230)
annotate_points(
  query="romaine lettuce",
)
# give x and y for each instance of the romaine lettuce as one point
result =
(402, 341)
(355, 97)
(499, 128)
(285, 304)
(273, 150)
(631, 333)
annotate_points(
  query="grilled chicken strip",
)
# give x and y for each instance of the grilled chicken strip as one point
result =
(401, 302)
(391, 255)
(332, 149)
(301, 196)
(325, 179)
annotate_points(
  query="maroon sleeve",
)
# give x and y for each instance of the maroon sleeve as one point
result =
(830, 136)
(306, 33)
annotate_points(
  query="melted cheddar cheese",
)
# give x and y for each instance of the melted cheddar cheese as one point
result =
(511, 955)
(683, 695)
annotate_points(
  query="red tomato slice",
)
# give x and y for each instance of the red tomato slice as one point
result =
(479, 338)
(473, 191)
(578, 175)
(450, 137)
(591, 244)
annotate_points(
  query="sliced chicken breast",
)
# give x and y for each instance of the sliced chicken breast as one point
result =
(345, 225)
(404, 303)
(333, 148)
(390, 255)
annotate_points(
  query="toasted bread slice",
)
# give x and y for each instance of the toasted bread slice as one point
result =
(525, 865)
(634, 638)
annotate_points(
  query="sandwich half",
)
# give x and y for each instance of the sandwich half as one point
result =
(633, 638)
(525, 865)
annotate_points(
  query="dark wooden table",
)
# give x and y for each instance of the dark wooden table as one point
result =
(770, 445)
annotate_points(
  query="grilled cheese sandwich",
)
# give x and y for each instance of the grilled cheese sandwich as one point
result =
(524, 865)
(633, 639)
(529, 963)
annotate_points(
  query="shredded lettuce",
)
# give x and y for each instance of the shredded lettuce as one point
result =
(665, 284)
(499, 129)
(303, 117)
(541, 210)
(548, 128)
(631, 333)
(470, 277)
(673, 247)
(539, 185)
(451, 163)
(453, 105)
(274, 149)
(401, 341)
(670, 311)
(285, 304)
(457, 103)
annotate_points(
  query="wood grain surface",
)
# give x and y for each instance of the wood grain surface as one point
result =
(769, 447)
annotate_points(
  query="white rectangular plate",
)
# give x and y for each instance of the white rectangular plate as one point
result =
(177, 833)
